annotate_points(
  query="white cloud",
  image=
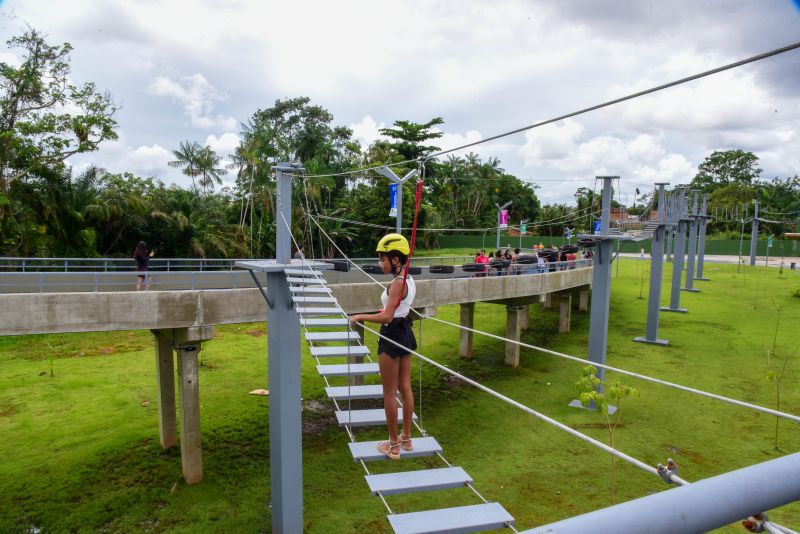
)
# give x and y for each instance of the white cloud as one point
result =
(197, 96)
(366, 131)
(224, 145)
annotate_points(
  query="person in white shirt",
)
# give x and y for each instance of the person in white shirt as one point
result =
(395, 361)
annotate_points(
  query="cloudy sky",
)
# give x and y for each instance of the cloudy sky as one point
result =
(195, 70)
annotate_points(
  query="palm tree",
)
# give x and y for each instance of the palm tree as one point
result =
(208, 165)
(187, 157)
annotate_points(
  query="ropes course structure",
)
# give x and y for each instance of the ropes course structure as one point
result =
(297, 289)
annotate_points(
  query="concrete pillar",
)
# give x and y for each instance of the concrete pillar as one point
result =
(186, 342)
(525, 312)
(191, 453)
(357, 380)
(565, 306)
(165, 379)
(465, 336)
(583, 300)
(548, 301)
(513, 324)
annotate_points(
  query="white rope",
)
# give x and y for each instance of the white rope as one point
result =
(588, 362)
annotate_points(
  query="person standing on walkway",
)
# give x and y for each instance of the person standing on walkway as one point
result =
(142, 257)
(395, 361)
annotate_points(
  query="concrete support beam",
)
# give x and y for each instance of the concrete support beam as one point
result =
(583, 300)
(565, 308)
(165, 380)
(191, 453)
(465, 336)
(525, 312)
(513, 328)
(548, 301)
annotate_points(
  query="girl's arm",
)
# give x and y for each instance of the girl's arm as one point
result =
(387, 314)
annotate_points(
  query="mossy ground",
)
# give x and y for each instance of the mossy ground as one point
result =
(81, 453)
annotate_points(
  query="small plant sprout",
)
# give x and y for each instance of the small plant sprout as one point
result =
(776, 368)
(591, 395)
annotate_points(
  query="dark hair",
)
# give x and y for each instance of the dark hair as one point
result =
(141, 250)
(401, 258)
(516, 251)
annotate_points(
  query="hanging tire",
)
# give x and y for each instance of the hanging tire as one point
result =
(441, 269)
(473, 267)
(526, 259)
(372, 269)
(499, 264)
(343, 266)
(415, 270)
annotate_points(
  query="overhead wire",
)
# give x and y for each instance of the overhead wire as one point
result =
(637, 94)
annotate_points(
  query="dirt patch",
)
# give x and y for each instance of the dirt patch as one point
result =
(7, 410)
(106, 350)
(453, 381)
(256, 333)
(318, 417)
(696, 457)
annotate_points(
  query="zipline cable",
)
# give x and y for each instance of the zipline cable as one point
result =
(688, 389)
(608, 103)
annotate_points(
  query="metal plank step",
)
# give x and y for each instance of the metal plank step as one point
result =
(331, 321)
(302, 280)
(366, 417)
(302, 299)
(318, 311)
(320, 337)
(416, 481)
(355, 393)
(368, 450)
(304, 272)
(473, 518)
(354, 369)
(340, 350)
(310, 289)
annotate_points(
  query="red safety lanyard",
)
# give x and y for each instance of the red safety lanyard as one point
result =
(417, 200)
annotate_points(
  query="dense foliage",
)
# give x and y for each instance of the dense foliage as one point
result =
(48, 210)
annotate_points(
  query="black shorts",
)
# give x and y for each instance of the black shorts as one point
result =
(398, 330)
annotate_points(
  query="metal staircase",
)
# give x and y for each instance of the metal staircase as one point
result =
(318, 309)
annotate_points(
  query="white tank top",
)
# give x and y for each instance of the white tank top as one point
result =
(405, 305)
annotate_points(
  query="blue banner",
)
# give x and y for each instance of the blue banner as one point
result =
(393, 197)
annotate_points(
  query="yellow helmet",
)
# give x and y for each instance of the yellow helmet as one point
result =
(393, 242)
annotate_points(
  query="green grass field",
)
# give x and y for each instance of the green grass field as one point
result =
(81, 453)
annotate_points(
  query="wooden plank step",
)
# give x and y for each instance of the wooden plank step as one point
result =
(460, 519)
(371, 417)
(302, 299)
(354, 369)
(321, 337)
(355, 393)
(368, 450)
(330, 321)
(416, 481)
(318, 311)
(339, 350)
(310, 289)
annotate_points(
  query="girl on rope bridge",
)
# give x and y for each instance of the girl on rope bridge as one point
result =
(395, 362)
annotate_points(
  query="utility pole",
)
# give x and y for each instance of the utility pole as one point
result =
(656, 270)
(389, 173)
(754, 238)
(499, 211)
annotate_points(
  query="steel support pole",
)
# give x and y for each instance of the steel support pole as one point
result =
(388, 173)
(698, 507)
(670, 231)
(601, 285)
(677, 262)
(692, 252)
(701, 244)
(285, 437)
(656, 272)
(754, 238)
